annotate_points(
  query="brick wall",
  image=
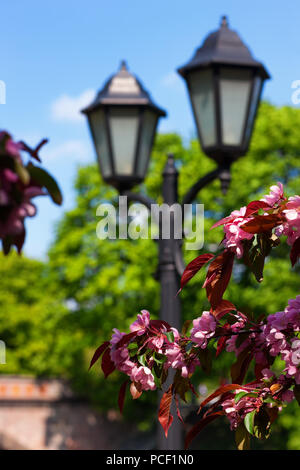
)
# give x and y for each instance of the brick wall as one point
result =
(45, 414)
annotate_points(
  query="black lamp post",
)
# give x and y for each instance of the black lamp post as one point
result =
(224, 84)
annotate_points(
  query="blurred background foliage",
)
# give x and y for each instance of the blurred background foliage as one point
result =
(55, 313)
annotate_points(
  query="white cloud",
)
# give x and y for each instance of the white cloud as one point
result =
(172, 80)
(67, 108)
(75, 149)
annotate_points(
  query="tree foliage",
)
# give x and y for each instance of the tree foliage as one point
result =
(103, 283)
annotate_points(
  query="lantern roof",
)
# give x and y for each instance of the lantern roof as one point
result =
(123, 88)
(223, 47)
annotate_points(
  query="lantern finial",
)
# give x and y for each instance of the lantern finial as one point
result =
(123, 65)
(224, 21)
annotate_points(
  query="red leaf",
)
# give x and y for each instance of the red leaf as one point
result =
(158, 324)
(164, 416)
(240, 367)
(258, 370)
(193, 267)
(98, 353)
(262, 223)
(199, 426)
(121, 397)
(295, 252)
(226, 220)
(126, 339)
(254, 206)
(221, 345)
(107, 364)
(220, 391)
(218, 276)
(224, 307)
(222, 340)
(178, 409)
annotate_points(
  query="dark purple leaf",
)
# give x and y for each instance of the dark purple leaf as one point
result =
(193, 267)
(121, 397)
(98, 353)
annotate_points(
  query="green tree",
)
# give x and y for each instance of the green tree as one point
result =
(62, 310)
(35, 324)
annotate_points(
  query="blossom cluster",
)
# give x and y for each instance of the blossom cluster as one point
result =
(153, 347)
(19, 184)
(276, 337)
(288, 222)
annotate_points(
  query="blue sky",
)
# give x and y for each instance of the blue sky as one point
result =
(56, 54)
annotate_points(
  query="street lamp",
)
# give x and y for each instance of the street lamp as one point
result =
(123, 120)
(225, 84)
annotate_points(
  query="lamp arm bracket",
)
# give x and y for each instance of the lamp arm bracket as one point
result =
(191, 194)
(138, 197)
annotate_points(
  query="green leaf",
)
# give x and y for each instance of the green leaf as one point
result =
(43, 178)
(262, 424)
(22, 172)
(170, 336)
(159, 358)
(249, 421)
(240, 395)
(242, 438)
(133, 352)
(156, 372)
(142, 360)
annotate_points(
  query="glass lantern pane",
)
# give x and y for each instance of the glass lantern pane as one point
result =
(124, 123)
(254, 102)
(202, 95)
(149, 126)
(235, 87)
(97, 125)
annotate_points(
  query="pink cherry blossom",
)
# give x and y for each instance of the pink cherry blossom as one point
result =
(236, 412)
(143, 377)
(234, 235)
(291, 356)
(203, 328)
(275, 196)
(176, 359)
(275, 340)
(141, 324)
(156, 342)
(120, 355)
